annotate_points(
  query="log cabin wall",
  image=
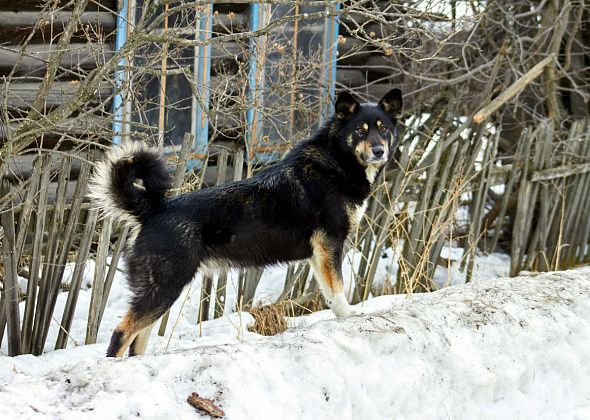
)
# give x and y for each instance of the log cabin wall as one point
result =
(30, 32)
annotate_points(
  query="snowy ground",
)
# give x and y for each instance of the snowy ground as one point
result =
(494, 349)
(184, 325)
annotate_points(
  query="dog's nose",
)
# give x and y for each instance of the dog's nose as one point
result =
(378, 151)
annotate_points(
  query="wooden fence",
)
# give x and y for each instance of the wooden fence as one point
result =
(540, 197)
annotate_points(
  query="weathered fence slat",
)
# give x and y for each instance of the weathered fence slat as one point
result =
(10, 278)
(524, 194)
(68, 239)
(115, 257)
(27, 329)
(96, 297)
(27, 208)
(43, 311)
(77, 276)
(2, 313)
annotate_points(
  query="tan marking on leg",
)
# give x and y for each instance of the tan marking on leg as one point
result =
(328, 275)
(130, 326)
(324, 264)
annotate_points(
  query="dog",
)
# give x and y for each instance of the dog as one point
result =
(302, 207)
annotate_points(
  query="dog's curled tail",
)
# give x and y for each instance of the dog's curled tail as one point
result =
(112, 187)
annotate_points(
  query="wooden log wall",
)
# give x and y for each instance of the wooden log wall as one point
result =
(366, 57)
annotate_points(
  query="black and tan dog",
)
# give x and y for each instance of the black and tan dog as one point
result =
(302, 207)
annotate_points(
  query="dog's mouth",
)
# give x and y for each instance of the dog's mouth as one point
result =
(376, 160)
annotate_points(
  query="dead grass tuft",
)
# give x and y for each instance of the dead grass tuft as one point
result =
(269, 319)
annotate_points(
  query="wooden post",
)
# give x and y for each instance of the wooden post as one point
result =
(44, 311)
(27, 329)
(221, 289)
(83, 251)
(512, 90)
(10, 278)
(99, 279)
(68, 239)
(115, 257)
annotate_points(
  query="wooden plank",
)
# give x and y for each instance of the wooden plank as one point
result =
(99, 281)
(221, 167)
(205, 299)
(27, 207)
(560, 172)
(22, 95)
(2, 309)
(43, 311)
(27, 329)
(26, 19)
(524, 194)
(540, 136)
(37, 4)
(85, 125)
(115, 257)
(512, 90)
(579, 226)
(506, 196)
(574, 224)
(77, 276)
(68, 239)
(10, 278)
(34, 61)
(544, 209)
(181, 168)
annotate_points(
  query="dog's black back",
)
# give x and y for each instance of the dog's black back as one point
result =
(317, 189)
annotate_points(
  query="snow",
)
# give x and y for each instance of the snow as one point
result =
(498, 348)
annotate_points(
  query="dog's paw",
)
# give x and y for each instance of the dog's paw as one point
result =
(356, 311)
(348, 310)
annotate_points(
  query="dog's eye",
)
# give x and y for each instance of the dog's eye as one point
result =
(360, 129)
(383, 128)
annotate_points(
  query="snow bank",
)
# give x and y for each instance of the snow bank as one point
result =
(507, 348)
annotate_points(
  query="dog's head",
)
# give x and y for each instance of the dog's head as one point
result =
(368, 130)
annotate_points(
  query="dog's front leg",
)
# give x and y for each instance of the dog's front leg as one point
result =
(327, 265)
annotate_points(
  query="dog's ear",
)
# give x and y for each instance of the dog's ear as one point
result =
(346, 105)
(392, 103)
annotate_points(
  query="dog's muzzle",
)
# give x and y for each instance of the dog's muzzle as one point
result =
(377, 156)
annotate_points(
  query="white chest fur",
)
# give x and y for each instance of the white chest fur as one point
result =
(357, 213)
(372, 171)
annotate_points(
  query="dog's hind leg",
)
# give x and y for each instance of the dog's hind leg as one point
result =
(126, 332)
(140, 342)
(146, 307)
(326, 262)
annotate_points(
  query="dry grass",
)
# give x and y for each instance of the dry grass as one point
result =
(269, 319)
(385, 288)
